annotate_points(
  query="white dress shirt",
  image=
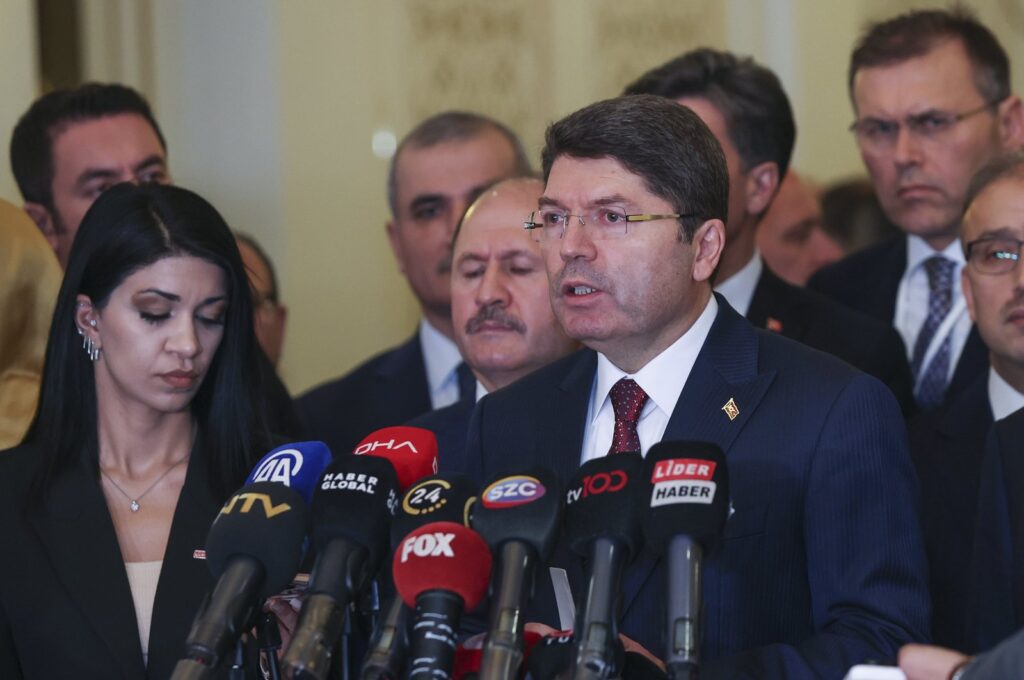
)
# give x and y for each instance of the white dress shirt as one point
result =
(912, 303)
(441, 357)
(1002, 396)
(663, 379)
(738, 289)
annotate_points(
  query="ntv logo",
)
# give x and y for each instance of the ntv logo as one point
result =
(280, 467)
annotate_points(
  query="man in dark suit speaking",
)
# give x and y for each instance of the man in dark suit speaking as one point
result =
(822, 565)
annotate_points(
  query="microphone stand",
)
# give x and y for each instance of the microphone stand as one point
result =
(269, 637)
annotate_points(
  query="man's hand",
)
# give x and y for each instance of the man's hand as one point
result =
(924, 662)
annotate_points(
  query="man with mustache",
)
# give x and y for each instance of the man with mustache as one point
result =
(931, 94)
(948, 445)
(437, 171)
(501, 313)
(821, 566)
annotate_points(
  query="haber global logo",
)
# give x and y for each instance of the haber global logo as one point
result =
(511, 491)
(683, 480)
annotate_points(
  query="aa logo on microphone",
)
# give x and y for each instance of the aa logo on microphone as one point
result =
(426, 497)
(428, 545)
(248, 501)
(597, 484)
(511, 491)
(683, 480)
(279, 467)
(389, 444)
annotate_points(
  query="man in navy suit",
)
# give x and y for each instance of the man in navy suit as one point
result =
(437, 171)
(748, 111)
(931, 92)
(822, 565)
(501, 313)
(947, 446)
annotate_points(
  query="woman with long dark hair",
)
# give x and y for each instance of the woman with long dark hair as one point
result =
(145, 424)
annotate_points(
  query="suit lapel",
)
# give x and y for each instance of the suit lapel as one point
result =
(78, 535)
(725, 372)
(179, 590)
(881, 297)
(406, 368)
(571, 402)
(773, 302)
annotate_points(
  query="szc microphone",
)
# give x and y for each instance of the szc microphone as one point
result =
(687, 503)
(519, 517)
(441, 569)
(603, 517)
(435, 499)
(298, 465)
(352, 510)
(253, 550)
(411, 450)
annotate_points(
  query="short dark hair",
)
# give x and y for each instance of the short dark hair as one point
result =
(914, 34)
(445, 127)
(665, 144)
(250, 241)
(127, 228)
(757, 113)
(32, 140)
(1005, 165)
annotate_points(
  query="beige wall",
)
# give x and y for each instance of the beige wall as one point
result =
(19, 79)
(270, 106)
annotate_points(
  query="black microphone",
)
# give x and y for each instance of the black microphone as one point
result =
(434, 499)
(254, 548)
(352, 509)
(687, 504)
(552, 657)
(603, 514)
(519, 517)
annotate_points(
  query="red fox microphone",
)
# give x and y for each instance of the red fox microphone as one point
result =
(442, 569)
(519, 517)
(687, 502)
(603, 513)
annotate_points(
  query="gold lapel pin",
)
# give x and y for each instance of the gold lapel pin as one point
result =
(731, 409)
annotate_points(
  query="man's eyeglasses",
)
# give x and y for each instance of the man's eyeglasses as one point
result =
(549, 224)
(994, 254)
(879, 133)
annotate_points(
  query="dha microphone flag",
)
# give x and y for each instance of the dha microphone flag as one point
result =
(412, 450)
(297, 465)
(442, 569)
(253, 549)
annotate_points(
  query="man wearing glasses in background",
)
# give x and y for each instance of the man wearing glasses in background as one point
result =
(931, 94)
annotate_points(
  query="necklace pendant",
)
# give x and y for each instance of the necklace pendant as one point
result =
(134, 506)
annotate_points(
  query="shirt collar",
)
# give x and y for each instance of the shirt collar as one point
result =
(738, 289)
(481, 391)
(659, 378)
(1003, 398)
(918, 251)
(440, 356)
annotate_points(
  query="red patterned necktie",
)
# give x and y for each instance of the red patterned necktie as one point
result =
(628, 401)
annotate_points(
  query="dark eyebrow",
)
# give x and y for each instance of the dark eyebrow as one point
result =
(150, 161)
(95, 173)
(426, 199)
(177, 298)
(609, 200)
(1001, 232)
(544, 200)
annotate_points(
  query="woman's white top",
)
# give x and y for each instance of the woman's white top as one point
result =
(142, 579)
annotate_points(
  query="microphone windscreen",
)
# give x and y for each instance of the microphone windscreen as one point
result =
(687, 492)
(435, 499)
(355, 500)
(265, 521)
(523, 507)
(297, 466)
(411, 450)
(442, 556)
(603, 501)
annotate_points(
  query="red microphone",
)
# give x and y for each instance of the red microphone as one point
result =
(442, 569)
(411, 450)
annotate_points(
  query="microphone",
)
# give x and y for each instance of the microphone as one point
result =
(552, 656)
(603, 524)
(352, 509)
(437, 499)
(253, 549)
(297, 465)
(687, 505)
(519, 517)
(441, 569)
(412, 450)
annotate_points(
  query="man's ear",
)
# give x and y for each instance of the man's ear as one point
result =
(396, 244)
(762, 183)
(965, 284)
(1011, 123)
(40, 214)
(708, 243)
